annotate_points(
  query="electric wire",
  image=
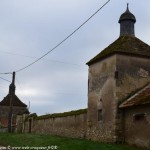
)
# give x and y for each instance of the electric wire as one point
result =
(5, 79)
(63, 39)
(3, 87)
(23, 68)
(32, 57)
(21, 88)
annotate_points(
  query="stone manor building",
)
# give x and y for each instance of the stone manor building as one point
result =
(118, 95)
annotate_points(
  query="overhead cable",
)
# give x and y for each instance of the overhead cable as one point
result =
(23, 68)
(5, 79)
(50, 60)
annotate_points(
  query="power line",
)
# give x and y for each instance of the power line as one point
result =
(21, 88)
(61, 41)
(4, 87)
(23, 92)
(6, 73)
(32, 57)
(16, 54)
(5, 79)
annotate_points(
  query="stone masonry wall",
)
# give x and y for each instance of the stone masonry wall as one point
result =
(133, 73)
(137, 130)
(4, 110)
(101, 100)
(70, 126)
(4, 113)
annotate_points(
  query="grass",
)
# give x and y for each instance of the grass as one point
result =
(29, 141)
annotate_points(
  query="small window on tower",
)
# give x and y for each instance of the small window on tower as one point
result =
(100, 115)
(139, 117)
(116, 74)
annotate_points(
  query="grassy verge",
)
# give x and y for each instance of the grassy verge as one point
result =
(30, 141)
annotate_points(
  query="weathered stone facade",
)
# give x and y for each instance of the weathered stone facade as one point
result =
(111, 81)
(73, 125)
(4, 114)
(137, 132)
(133, 74)
(101, 97)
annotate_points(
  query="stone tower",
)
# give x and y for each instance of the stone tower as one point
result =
(115, 73)
(10, 107)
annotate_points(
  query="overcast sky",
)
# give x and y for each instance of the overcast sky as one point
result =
(30, 28)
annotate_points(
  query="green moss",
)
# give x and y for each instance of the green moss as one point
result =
(70, 113)
(125, 44)
(34, 115)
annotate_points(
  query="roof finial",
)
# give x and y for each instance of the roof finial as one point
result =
(127, 6)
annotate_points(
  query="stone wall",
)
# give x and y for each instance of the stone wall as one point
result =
(101, 100)
(4, 110)
(133, 73)
(73, 125)
(136, 126)
(4, 113)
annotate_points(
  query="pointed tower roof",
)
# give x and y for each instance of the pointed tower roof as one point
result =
(7, 100)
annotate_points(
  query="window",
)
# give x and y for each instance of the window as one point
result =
(116, 74)
(139, 117)
(100, 116)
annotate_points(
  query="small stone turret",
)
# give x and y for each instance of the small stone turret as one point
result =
(127, 20)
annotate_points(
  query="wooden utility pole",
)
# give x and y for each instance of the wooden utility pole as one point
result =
(11, 97)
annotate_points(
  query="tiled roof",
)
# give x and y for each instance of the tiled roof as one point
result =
(16, 101)
(140, 98)
(125, 45)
